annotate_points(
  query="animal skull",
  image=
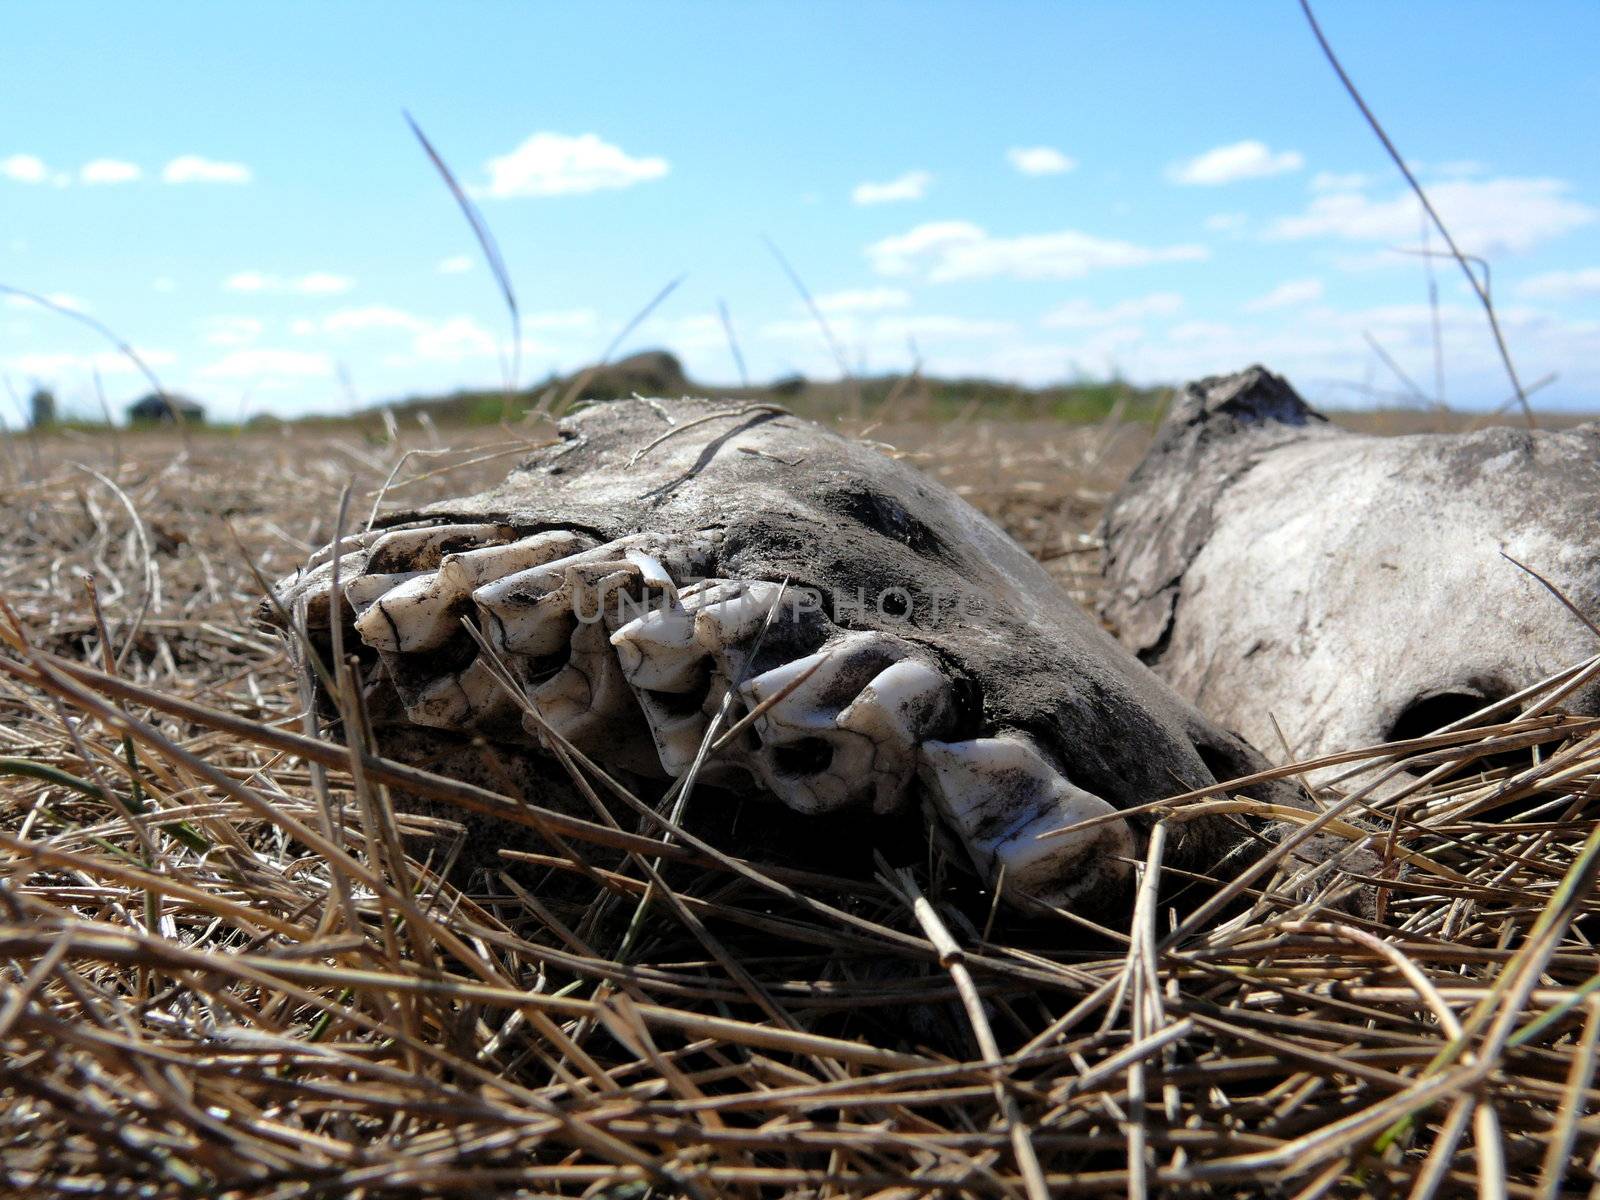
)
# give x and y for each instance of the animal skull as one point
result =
(1283, 573)
(665, 562)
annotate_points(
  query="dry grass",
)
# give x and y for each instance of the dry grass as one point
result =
(219, 974)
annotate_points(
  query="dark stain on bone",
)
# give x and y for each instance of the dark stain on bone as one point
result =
(802, 757)
(882, 513)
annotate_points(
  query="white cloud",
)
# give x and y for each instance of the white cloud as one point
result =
(1240, 160)
(106, 362)
(1561, 285)
(1334, 181)
(1484, 216)
(24, 168)
(864, 300)
(1040, 160)
(887, 333)
(913, 185)
(455, 339)
(1081, 314)
(1365, 262)
(455, 264)
(109, 170)
(251, 364)
(251, 281)
(1228, 222)
(1287, 295)
(321, 283)
(192, 168)
(1459, 168)
(316, 283)
(554, 164)
(931, 325)
(442, 340)
(1200, 331)
(570, 318)
(696, 331)
(164, 283)
(232, 331)
(1319, 356)
(59, 299)
(952, 250)
(377, 316)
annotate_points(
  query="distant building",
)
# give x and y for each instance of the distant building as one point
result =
(157, 408)
(42, 408)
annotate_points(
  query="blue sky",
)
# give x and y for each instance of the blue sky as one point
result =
(1025, 191)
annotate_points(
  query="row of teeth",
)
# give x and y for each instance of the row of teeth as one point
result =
(623, 661)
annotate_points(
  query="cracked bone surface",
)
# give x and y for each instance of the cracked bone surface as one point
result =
(667, 565)
(1282, 572)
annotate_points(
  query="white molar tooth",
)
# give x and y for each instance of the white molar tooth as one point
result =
(422, 549)
(362, 594)
(308, 595)
(821, 685)
(904, 704)
(427, 609)
(473, 568)
(677, 735)
(730, 611)
(412, 617)
(588, 701)
(652, 570)
(471, 698)
(601, 592)
(527, 613)
(658, 651)
(352, 545)
(907, 697)
(1001, 795)
(588, 695)
(798, 709)
(530, 612)
(808, 758)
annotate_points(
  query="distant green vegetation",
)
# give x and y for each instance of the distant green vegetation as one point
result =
(888, 397)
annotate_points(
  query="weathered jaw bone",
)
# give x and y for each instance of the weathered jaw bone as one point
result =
(844, 705)
(1015, 813)
(611, 655)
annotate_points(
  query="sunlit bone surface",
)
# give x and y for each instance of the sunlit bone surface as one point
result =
(664, 564)
(1283, 573)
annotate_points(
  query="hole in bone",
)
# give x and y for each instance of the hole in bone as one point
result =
(802, 758)
(546, 666)
(1429, 713)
